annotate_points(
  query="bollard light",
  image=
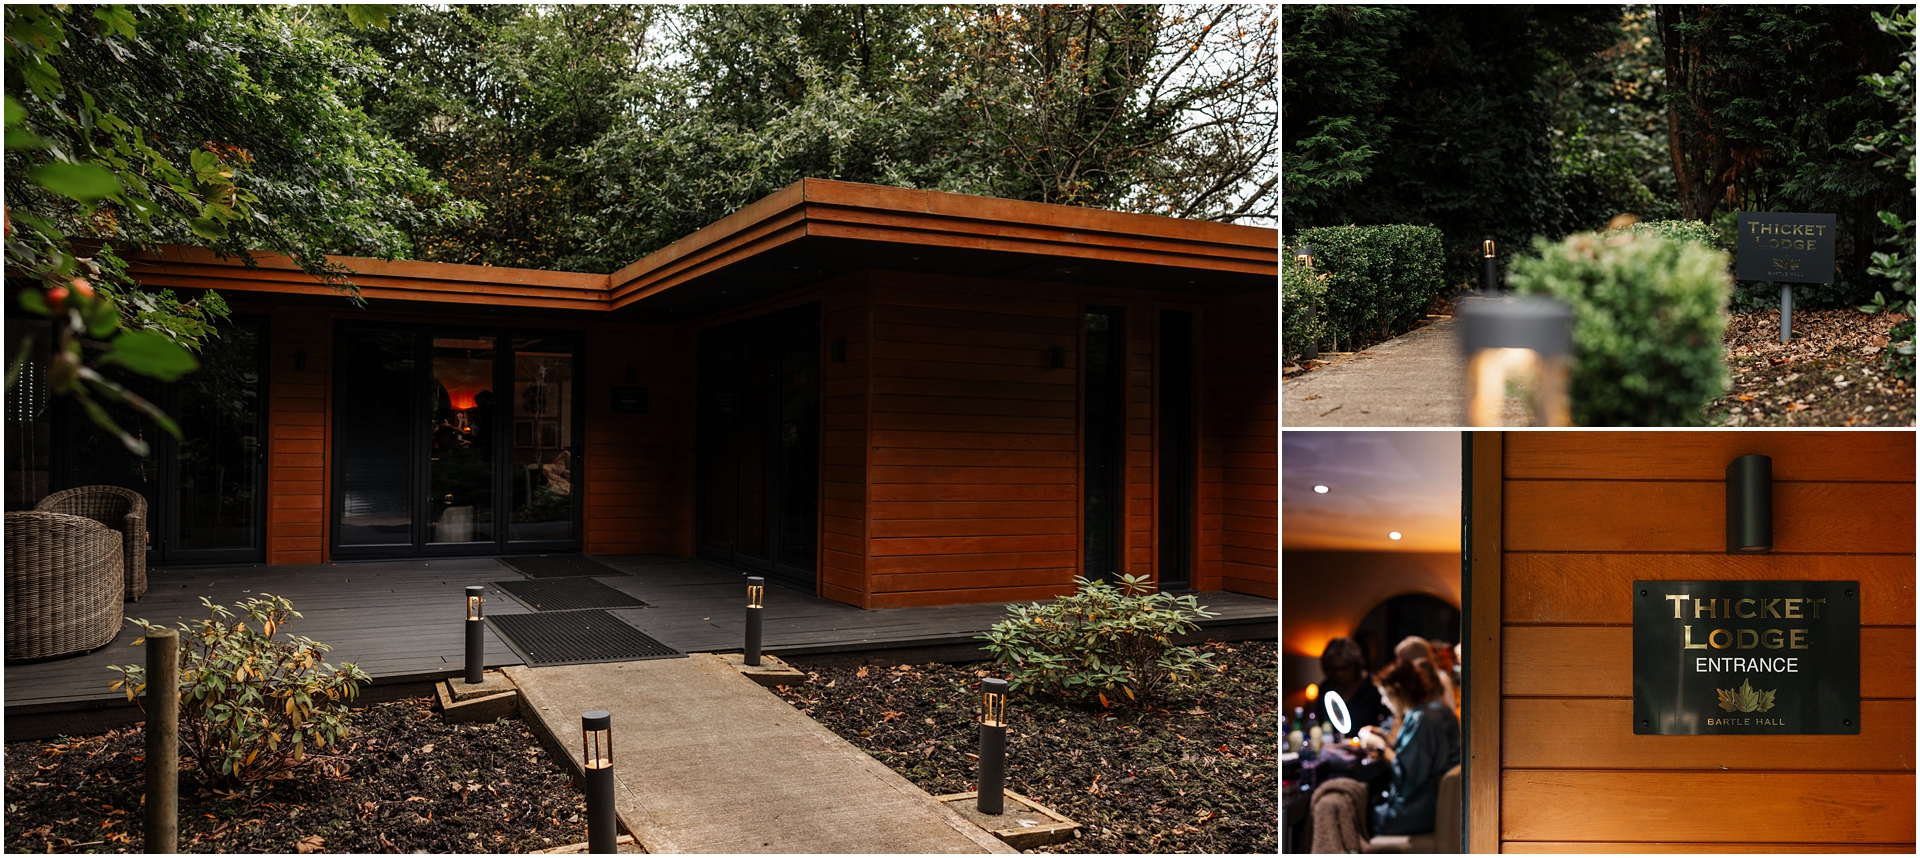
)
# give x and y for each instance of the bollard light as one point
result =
(596, 758)
(1311, 351)
(1786, 312)
(1522, 338)
(476, 637)
(1304, 255)
(993, 746)
(1750, 505)
(162, 799)
(1491, 276)
(756, 592)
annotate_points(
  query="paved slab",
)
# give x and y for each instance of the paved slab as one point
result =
(1415, 379)
(708, 761)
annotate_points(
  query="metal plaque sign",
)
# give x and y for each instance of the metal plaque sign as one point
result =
(629, 400)
(1746, 657)
(1785, 246)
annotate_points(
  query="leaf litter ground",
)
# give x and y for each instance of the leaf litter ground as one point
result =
(1200, 773)
(406, 782)
(1829, 374)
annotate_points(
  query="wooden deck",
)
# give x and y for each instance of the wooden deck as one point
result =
(402, 621)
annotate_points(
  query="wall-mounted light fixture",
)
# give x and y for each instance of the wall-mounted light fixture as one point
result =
(596, 758)
(476, 636)
(1057, 357)
(756, 595)
(300, 360)
(1530, 338)
(1489, 277)
(837, 351)
(1750, 505)
(993, 746)
(630, 373)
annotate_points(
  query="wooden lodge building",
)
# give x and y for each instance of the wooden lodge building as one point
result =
(888, 397)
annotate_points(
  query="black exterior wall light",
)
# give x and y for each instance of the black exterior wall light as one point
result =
(596, 759)
(993, 746)
(476, 636)
(1750, 505)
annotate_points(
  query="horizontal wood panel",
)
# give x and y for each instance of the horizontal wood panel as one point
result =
(1598, 734)
(923, 598)
(1706, 807)
(1808, 518)
(1597, 588)
(1803, 456)
(887, 440)
(1618, 846)
(975, 457)
(972, 492)
(971, 526)
(962, 475)
(973, 406)
(1597, 661)
(883, 421)
(973, 544)
(974, 562)
(972, 510)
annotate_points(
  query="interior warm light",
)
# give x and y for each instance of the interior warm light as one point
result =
(1313, 691)
(461, 400)
(1394, 535)
(1320, 490)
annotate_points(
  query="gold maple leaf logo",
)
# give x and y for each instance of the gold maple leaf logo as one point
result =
(1787, 263)
(1745, 699)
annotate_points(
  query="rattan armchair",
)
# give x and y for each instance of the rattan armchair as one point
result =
(124, 510)
(64, 584)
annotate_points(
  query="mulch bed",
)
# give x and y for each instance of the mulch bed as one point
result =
(1829, 374)
(407, 782)
(1199, 773)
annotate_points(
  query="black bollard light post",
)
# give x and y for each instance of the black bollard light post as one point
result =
(1491, 276)
(1786, 312)
(1311, 351)
(476, 637)
(163, 742)
(993, 746)
(596, 754)
(756, 592)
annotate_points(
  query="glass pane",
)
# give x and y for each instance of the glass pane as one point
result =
(29, 439)
(462, 414)
(716, 442)
(542, 473)
(219, 443)
(799, 442)
(372, 414)
(1176, 447)
(1102, 445)
(96, 457)
(758, 352)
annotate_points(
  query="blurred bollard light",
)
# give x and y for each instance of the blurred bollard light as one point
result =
(1311, 351)
(1491, 276)
(1516, 338)
(1304, 255)
(756, 592)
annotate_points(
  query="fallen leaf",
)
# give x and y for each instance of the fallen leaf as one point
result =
(310, 843)
(862, 672)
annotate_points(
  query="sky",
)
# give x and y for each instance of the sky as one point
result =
(1378, 483)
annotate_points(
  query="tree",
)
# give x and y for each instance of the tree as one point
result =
(1764, 104)
(222, 127)
(1610, 127)
(1338, 81)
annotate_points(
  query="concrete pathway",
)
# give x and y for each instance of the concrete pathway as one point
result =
(1415, 379)
(708, 761)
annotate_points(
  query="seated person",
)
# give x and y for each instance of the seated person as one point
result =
(1416, 648)
(1427, 745)
(1344, 670)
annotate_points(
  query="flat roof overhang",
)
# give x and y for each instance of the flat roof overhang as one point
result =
(807, 232)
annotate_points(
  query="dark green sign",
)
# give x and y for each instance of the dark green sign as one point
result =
(1785, 246)
(1746, 657)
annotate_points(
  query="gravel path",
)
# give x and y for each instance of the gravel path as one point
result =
(1415, 379)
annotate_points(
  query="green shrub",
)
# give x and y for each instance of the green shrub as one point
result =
(1110, 643)
(1649, 315)
(250, 705)
(1381, 278)
(1700, 232)
(1301, 289)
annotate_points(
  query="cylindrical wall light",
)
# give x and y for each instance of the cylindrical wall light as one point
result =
(1525, 337)
(993, 746)
(596, 756)
(756, 592)
(1750, 505)
(476, 637)
(1490, 277)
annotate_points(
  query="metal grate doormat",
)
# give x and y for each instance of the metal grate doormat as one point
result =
(560, 566)
(576, 637)
(567, 594)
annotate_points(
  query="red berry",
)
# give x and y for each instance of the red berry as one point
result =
(56, 296)
(81, 286)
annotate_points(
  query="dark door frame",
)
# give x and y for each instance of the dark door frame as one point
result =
(419, 463)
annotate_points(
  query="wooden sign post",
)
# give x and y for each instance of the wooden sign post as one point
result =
(1786, 247)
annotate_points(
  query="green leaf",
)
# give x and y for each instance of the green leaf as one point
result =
(211, 230)
(80, 180)
(21, 138)
(34, 301)
(116, 20)
(151, 354)
(364, 15)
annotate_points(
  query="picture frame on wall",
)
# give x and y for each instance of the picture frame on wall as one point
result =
(523, 433)
(538, 398)
(549, 437)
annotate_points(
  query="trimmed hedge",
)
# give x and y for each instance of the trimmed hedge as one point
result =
(1380, 278)
(1301, 288)
(1649, 314)
(1682, 230)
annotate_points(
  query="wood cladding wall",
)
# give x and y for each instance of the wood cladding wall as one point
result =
(639, 466)
(844, 318)
(297, 425)
(1239, 448)
(1584, 515)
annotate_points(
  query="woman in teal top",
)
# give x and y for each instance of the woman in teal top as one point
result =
(1425, 744)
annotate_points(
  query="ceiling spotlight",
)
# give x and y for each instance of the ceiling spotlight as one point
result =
(1394, 535)
(1320, 490)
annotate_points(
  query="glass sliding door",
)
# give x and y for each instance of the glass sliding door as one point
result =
(456, 442)
(758, 459)
(1176, 450)
(1103, 444)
